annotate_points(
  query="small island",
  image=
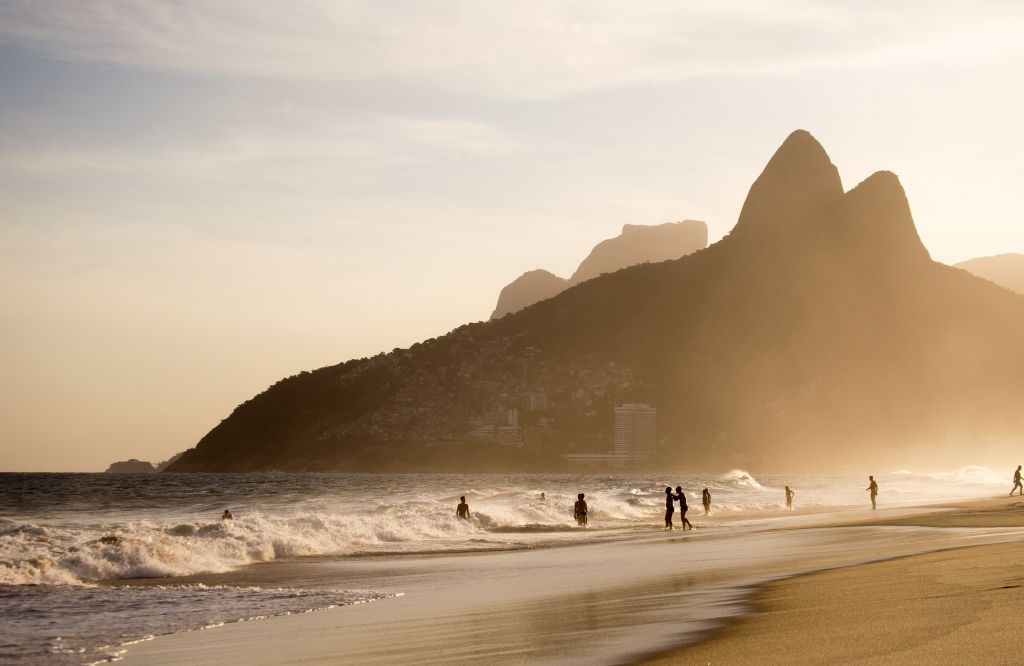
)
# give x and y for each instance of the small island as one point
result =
(132, 466)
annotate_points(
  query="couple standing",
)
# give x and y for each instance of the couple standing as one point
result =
(670, 507)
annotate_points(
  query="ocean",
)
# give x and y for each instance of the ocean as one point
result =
(73, 547)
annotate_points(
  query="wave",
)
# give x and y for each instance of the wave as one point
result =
(63, 554)
(741, 479)
(97, 623)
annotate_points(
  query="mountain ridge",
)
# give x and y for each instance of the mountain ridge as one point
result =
(817, 333)
(635, 244)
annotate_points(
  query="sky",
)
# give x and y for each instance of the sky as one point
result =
(200, 198)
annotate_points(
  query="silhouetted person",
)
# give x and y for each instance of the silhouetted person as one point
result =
(1016, 482)
(683, 508)
(705, 498)
(789, 498)
(579, 510)
(462, 511)
(873, 489)
(670, 507)
(542, 497)
(226, 515)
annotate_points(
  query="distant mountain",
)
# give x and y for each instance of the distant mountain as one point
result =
(818, 333)
(529, 288)
(1006, 270)
(161, 466)
(636, 244)
(131, 466)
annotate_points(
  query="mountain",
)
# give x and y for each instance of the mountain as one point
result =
(1006, 270)
(817, 334)
(636, 244)
(527, 289)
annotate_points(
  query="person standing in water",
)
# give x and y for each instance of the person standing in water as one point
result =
(226, 515)
(706, 500)
(1017, 485)
(683, 508)
(579, 511)
(789, 498)
(670, 507)
(462, 511)
(873, 489)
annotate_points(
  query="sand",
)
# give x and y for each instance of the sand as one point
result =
(623, 601)
(957, 606)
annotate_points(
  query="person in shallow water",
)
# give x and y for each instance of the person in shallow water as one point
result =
(1017, 485)
(873, 489)
(226, 515)
(462, 511)
(789, 498)
(670, 508)
(683, 508)
(579, 510)
(542, 497)
(706, 500)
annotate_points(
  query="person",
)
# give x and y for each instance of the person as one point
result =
(683, 508)
(706, 500)
(226, 515)
(579, 510)
(542, 497)
(462, 511)
(789, 498)
(1016, 482)
(670, 507)
(873, 489)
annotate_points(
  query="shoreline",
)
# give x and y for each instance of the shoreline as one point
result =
(936, 636)
(539, 597)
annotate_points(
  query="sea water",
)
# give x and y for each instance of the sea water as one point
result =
(67, 539)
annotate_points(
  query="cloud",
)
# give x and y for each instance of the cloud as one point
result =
(362, 144)
(529, 49)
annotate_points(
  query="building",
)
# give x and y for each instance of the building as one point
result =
(636, 436)
(636, 432)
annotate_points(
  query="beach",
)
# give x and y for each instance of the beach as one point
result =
(953, 606)
(930, 583)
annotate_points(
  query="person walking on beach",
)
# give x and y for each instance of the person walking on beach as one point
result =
(706, 500)
(789, 498)
(462, 511)
(579, 511)
(1017, 485)
(873, 489)
(670, 507)
(683, 508)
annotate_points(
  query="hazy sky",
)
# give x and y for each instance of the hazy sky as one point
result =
(199, 198)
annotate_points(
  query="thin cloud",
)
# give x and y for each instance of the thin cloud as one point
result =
(513, 50)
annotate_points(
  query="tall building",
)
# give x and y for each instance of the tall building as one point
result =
(636, 432)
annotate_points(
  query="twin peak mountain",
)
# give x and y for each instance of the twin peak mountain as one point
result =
(817, 333)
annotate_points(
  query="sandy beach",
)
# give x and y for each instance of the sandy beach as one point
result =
(955, 606)
(914, 579)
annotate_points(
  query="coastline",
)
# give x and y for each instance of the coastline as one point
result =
(602, 603)
(958, 605)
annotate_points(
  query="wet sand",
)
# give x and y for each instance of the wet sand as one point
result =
(623, 601)
(956, 606)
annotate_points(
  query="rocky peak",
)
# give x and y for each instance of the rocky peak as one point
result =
(798, 182)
